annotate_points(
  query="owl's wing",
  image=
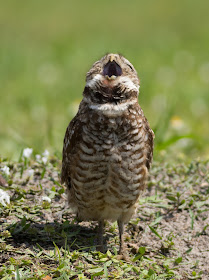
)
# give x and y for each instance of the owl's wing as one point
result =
(72, 136)
(149, 143)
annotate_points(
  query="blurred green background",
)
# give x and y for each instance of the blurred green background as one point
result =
(46, 48)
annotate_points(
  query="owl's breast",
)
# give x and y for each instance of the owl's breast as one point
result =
(109, 163)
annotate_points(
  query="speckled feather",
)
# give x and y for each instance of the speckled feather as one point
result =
(108, 147)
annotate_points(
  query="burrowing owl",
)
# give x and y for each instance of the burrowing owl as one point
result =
(108, 146)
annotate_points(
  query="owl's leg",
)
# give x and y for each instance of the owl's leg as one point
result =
(122, 252)
(121, 231)
(100, 246)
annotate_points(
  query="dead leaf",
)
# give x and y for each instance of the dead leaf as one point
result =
(47, 277)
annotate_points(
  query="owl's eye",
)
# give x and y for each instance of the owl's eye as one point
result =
(130, 67)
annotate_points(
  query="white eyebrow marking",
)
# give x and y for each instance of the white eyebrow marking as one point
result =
(128, 83)
(92, 82)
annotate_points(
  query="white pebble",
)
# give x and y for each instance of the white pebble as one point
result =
(4, 197)
(46, 198)
(27, 152)
(5, 169)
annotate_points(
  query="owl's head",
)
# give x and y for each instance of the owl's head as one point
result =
(112, 79)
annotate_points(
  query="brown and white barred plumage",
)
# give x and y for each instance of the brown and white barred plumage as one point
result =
(108, 146)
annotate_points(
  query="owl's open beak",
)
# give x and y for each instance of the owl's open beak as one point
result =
(112, 69)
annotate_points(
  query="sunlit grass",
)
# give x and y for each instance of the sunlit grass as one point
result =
(47, 47)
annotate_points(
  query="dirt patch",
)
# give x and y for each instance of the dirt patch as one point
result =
(167, 238)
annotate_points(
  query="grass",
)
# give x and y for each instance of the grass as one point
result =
(166, 239)
(47, 47)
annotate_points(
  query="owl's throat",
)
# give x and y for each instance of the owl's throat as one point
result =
(111, 94)
(105, 95)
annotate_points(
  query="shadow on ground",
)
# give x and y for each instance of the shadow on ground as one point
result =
(72, 236)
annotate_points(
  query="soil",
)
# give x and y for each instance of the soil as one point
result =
(171, 221)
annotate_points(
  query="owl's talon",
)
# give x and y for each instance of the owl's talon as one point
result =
(100, 248)
(123, 256)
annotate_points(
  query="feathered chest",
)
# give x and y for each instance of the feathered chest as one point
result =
(108, 141)
(110, 153)
(107, 128)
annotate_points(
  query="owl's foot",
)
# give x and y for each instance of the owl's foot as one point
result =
(123, 256)
(100, 248)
